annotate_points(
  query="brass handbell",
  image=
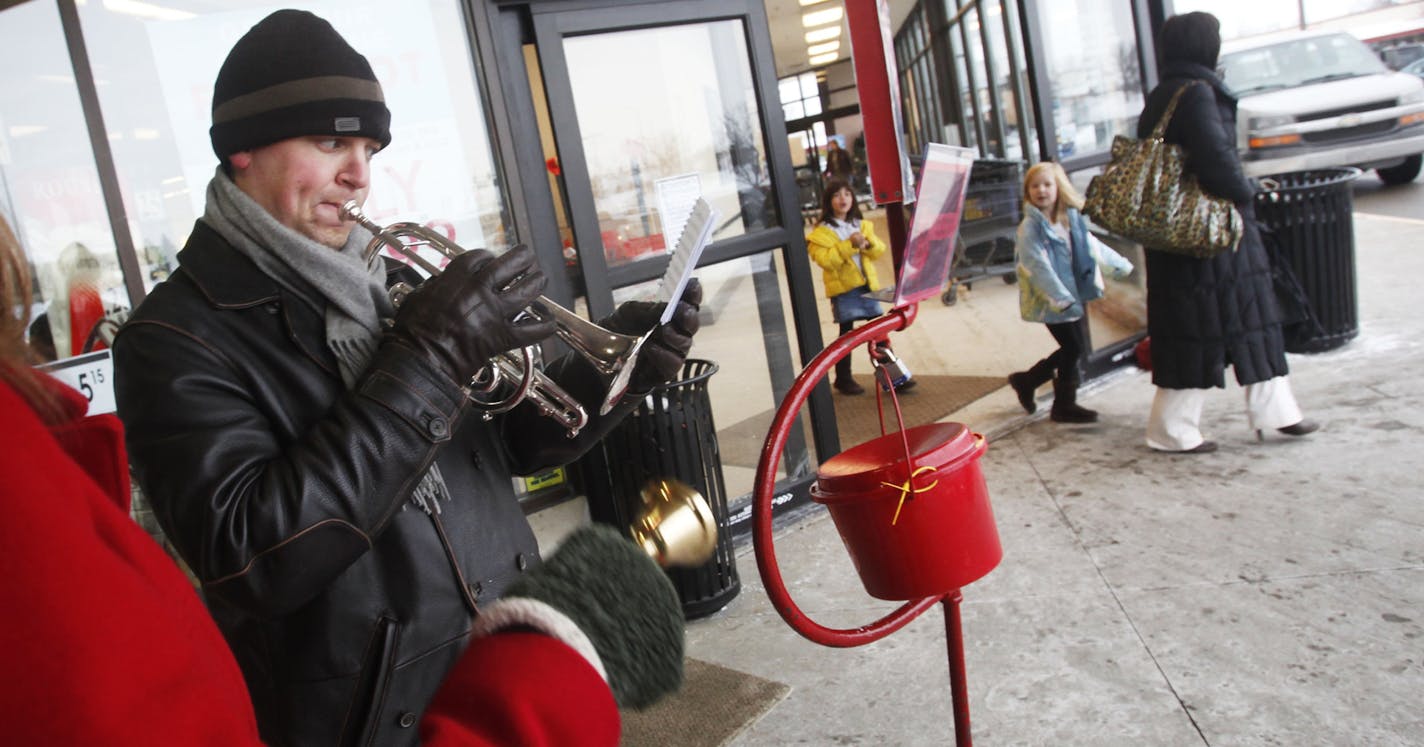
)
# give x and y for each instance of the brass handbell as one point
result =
(676, 526)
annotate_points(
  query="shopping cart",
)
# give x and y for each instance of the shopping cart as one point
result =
(992, 211)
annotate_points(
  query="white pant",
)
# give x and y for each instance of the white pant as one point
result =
(1176, 413)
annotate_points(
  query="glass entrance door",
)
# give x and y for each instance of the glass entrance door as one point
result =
(643, 104)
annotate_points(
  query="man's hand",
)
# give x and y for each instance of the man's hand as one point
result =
(663, 353)
(472, 311)
(616, 598)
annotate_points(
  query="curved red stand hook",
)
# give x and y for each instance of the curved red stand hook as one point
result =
(765, 486)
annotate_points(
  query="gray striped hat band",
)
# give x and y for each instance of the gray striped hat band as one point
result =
(295, 92)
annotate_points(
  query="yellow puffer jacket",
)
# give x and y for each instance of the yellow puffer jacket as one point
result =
(836, 258)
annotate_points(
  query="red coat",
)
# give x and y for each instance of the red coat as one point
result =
(106, 642)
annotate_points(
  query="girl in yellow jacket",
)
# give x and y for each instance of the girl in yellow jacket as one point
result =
(845, 246)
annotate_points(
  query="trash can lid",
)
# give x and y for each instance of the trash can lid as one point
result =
(861, 469)
(1311, 179)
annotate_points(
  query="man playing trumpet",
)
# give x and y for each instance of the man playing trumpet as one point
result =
(308, 448)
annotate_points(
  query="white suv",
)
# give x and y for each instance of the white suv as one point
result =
(1323, 99)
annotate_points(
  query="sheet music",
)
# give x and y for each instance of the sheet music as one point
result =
(696, 233)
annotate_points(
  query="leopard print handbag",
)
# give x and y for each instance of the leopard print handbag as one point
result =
(1144, 194)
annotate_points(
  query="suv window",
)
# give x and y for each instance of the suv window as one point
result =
(1298, 62)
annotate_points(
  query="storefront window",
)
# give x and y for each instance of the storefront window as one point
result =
(1122, 311)
(155, 73)
(1240, 19)
(966, 93)
(660, 108)
(800, 96)
(49, 186)
(1092, 60)
(984, 25)
(1022, 112)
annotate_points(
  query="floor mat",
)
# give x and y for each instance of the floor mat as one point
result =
(713, 706)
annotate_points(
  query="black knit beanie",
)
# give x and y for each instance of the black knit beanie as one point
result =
(293, 75)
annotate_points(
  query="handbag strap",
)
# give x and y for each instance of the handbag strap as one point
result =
(1161, 129)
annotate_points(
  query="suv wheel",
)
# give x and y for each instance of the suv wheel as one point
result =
(1403, 173)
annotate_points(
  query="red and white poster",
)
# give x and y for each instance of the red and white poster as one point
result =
(938, 206)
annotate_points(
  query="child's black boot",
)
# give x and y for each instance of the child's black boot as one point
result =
(1026, 383)
(1065, 404)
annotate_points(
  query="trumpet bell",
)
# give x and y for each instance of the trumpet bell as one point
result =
(676, 526)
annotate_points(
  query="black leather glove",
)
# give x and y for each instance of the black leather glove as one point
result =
(617, 598)
(466, 315)
(663, 353)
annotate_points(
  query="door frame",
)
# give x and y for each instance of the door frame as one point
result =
(509, 25)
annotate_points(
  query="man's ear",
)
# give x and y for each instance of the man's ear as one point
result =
(239, 160)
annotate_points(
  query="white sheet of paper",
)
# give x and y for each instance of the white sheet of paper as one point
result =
(696, 234)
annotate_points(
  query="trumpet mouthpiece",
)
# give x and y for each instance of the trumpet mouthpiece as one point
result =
(352, 211)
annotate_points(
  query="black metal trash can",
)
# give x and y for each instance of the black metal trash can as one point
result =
(670, 434)
(1308, 225)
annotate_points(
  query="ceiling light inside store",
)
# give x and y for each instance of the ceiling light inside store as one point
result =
(826, 34)
(804, 3)
(822, 17)
(147, 10)
(831, 46)
(822, 59)
(23, 130)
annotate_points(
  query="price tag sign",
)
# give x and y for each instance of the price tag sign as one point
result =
(92, 375)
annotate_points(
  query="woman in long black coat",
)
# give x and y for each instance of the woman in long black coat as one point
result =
(1206, 314)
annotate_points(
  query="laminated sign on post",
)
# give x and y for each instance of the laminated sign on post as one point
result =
(939, 204)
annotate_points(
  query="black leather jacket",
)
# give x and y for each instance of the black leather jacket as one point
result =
(287, 495)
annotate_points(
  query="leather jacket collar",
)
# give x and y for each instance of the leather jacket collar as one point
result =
(226, 278)
(231, 281)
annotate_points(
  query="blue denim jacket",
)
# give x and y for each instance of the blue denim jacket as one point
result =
(1055, 278)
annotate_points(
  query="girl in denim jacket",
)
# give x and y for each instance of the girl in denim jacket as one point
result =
(1059, 272)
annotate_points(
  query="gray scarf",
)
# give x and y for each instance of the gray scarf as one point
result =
(339, 283)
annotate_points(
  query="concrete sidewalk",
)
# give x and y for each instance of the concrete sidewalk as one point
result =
(1270, 593)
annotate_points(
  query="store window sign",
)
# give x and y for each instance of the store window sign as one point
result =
(424, 175)
(676, 195)
(92, 375)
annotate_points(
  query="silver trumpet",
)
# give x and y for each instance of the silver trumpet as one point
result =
(611, 353)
